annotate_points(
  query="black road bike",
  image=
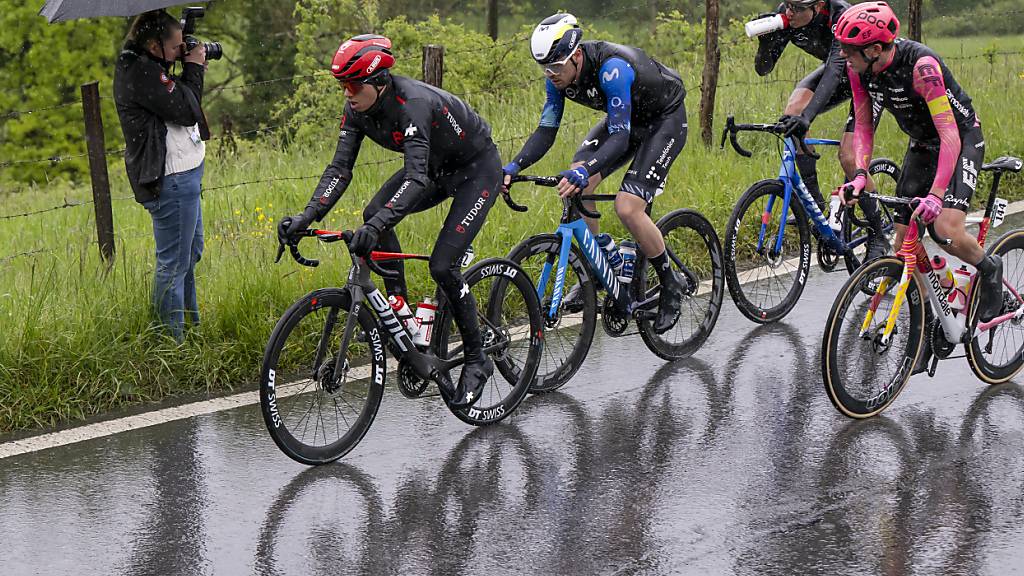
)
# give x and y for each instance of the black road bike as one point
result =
(324, 367)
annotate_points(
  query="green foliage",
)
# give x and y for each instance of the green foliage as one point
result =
(44, 64)
(992, 17)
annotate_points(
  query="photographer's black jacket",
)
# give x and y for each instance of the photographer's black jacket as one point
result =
(147, 96)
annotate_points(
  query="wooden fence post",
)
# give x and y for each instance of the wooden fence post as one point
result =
(492, 19)
(709, 82)
(95, 145)
(433, 64)
(915, 20)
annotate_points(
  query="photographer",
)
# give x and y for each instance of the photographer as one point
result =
(164, 132)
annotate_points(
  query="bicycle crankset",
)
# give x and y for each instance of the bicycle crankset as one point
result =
(409, 384)
(941, 347)
(615, 322)
(828, 258)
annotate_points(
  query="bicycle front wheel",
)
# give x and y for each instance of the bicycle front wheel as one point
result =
(513, 330)
(765, 281)
(997, 354)
(696, 255)
(871, 343)
(569, 331)
(317, 406)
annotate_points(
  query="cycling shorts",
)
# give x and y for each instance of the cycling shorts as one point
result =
(652, 149)
(921, 162)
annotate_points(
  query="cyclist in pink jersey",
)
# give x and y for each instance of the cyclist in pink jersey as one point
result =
(946, 147)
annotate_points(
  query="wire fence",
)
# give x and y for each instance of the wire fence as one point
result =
(497, 88)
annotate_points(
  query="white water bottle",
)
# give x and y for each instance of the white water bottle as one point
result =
(766, 25)
(835, 221)
(941, 268)
(425, 313)
(961, 286)
(628, 251)
(404, 313)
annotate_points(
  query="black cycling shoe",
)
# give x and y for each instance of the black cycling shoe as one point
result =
(475, 372)
(669, 303)
(991, 297)
(878, 246)
(573, 300)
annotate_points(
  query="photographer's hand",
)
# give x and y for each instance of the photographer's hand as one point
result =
(197, 55)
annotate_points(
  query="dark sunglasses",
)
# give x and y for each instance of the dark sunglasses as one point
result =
(794, 8)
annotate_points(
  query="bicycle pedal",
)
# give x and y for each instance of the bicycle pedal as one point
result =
(932, 366)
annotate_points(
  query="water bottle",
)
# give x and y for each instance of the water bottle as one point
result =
(425, 313)
(607, 245)
(835, 220)
(467, 257)
(962, 285)
(404, 313)
(628, 252)
(766, 25)
(942, 270)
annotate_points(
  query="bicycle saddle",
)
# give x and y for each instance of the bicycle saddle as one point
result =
(1003, 164)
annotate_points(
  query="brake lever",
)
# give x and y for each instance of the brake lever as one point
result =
(380, 271)
(806, 150)
(583, 209)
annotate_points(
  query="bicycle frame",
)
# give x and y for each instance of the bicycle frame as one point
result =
(791, 180)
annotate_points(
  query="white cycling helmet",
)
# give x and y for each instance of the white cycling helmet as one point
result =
(555, 39)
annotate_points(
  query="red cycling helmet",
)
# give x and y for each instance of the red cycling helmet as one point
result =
(362, 58)
(867, 23)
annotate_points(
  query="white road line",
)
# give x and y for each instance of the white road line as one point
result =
(100, 429)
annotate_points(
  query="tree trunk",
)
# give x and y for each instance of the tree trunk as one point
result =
(709, 83)
(915, 20)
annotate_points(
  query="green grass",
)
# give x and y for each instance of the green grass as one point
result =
(78, 341)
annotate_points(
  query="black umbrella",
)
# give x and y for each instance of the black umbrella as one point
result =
(61, 10)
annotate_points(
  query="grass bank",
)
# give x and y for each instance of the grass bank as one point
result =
(77, 340)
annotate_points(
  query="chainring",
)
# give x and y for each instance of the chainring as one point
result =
(828, 258)
(941, 347)
(614, 321)
(409, 384)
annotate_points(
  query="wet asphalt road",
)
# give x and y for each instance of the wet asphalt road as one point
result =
(732, 462)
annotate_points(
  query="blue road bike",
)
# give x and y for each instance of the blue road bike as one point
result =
(768, 236)
(571, 257)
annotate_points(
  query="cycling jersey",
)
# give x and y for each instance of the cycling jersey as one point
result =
(816, 38)
(636, 92)
(929, 105)
(437, 132)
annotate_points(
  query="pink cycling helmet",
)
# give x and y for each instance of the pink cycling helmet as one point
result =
(867, 23)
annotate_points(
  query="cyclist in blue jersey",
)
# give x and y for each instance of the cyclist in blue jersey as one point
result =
(645, 126)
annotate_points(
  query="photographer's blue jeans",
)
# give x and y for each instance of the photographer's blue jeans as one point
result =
(178, 231)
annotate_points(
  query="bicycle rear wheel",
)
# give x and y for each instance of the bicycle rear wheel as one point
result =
(569, 334)
(513, 331)
(863, 371)
(315, 410)
(766, 284)
(692, 244)
(995, 355)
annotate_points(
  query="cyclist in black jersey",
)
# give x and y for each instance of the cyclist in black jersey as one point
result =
(448, 153)
(809, 26)
(946, 148)
(645, 125)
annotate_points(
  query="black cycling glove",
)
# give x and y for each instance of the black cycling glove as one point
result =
(364, 240)
(794, 125)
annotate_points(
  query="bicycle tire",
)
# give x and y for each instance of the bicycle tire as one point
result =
(838, 377)
(520, 376)
(987, 371)
(556, 368)
(754, 311)
(705, 262)
(273, 407)
(878, 167)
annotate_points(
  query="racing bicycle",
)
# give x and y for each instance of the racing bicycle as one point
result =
(768, 237)
(572, 256)
(324, 367)
(874, 342)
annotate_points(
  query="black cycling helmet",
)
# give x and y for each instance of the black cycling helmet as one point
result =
(555, 39)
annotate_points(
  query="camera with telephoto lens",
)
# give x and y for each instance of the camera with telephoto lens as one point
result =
(214, 51)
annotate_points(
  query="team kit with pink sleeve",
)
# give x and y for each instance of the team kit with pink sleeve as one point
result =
(946, 146)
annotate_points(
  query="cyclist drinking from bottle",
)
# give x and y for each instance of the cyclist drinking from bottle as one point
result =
(448, 153)
(808, 26)
(645, 125)
(946, 144)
